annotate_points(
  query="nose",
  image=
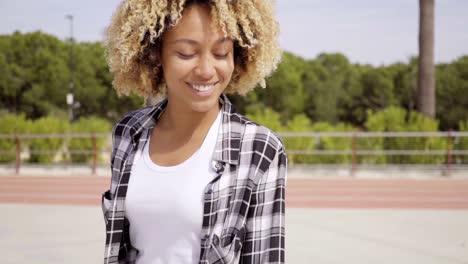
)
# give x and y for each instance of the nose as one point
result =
(205, 68)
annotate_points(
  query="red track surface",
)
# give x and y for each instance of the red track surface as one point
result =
(306, 193)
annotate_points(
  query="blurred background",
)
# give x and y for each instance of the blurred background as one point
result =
(371, 100)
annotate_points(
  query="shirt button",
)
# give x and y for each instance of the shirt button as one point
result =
(217, 166)
(215, 240)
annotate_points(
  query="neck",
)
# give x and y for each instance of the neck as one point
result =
(183, 122)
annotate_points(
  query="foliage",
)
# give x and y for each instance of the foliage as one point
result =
(285, 88)
(337, 143)
(327, 144)
(36, 72)
(299, 123)
(49, 146)
(266, 117)
(462, 143)
(35, 78)
(394, 119)
(33, 73)
(451, 91)
(88, 125)
(318, 94)
(11, 124)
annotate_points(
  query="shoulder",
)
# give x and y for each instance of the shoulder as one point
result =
(252, 135)
(259, 138)
(261, 148)
(129, 121)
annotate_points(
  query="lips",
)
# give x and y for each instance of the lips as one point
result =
(203, 89)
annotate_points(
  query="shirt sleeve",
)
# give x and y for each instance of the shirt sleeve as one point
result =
(107, 195)
(264, 240)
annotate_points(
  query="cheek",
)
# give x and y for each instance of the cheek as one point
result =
(175, 69)
(227, 70)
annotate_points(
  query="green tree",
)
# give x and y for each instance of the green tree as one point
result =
(376, 93)
(285, 90)
(405, 83)
(33, 74)
(452, 90)
(332, 82)
(35, 78)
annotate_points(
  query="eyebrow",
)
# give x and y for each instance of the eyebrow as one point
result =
(194, 42)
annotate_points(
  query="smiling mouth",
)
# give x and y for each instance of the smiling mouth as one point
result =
(203, 87)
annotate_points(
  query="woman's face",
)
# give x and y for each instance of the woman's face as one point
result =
(197, 61)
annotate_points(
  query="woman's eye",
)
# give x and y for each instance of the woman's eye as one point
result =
(222, 56)
(184, 55)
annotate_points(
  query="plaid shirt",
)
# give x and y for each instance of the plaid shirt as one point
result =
(243, 206)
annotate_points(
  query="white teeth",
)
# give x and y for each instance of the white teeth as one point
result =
(202, 88)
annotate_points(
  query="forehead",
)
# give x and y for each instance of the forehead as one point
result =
(197, 24)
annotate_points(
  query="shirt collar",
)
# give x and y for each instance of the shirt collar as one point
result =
(228, 141)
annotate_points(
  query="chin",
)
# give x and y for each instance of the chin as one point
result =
(206, 106)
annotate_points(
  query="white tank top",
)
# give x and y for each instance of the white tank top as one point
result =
(164, 205)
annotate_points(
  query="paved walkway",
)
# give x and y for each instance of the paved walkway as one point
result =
(57, 234)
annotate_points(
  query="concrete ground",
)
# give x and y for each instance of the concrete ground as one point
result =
(57, 234)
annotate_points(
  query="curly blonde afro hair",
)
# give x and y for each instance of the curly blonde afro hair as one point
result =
(133, 42)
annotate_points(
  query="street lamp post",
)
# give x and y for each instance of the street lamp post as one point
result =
(70, 96)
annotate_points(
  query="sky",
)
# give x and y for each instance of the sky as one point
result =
(366, 31)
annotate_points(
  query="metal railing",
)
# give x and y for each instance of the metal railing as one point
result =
(19, 138)
(354, 150)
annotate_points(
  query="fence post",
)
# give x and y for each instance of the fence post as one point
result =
(449, 152)
(93, 139)
(18, 154)
(354, 157)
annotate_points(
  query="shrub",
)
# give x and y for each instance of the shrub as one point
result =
(46, 125)
(11, 124)
(394, 119)
(88, 125)
(462, 143)
(266, 117)
(300, 123)
(333, 143)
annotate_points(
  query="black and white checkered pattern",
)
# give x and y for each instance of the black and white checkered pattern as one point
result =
(244, 205)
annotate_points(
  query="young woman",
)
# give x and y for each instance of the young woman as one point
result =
(193, 181)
